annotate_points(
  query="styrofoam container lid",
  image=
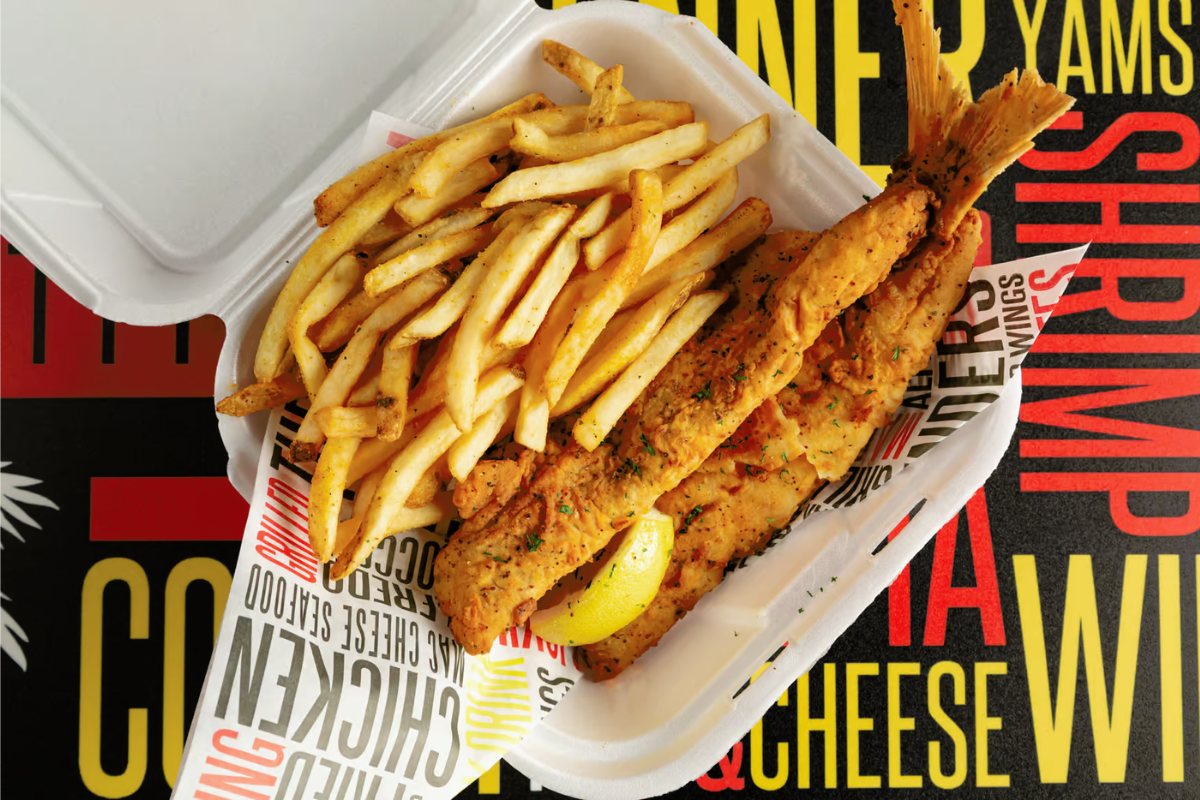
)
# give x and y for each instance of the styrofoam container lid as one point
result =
(159, 163)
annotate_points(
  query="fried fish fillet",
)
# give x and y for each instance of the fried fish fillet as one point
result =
(487, 578)
(853, 379)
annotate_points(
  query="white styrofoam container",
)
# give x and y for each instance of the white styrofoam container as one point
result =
(159, 165)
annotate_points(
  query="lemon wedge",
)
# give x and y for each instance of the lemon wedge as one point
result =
(623, 586)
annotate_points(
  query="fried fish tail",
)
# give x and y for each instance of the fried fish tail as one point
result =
(955, 146)
(757, 480)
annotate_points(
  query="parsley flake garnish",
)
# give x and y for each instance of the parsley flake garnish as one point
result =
(704, 393)
(896, 353)
(649, 447)
(565, 509)
(533, 541)
(836, 400)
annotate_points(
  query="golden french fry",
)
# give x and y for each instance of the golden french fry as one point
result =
(740, 145)
(341, 279)
(605, 363)
(426, 487)
(579, 69)
(374, 454)
(465, 453)
(325, 496)
(450, 221)
(261, 396)
(600, 170)
(394, 381)
(591, 428)
(354, 359)
(523, 323)
(533, 416)
(694, 220)
(387, 230)
(451, 305)
(430, 392)
(687, 184)
(599, 308)
(417, 209)
(391, 274)
(572, 119)
(343, 421)
(342, 193)
(602, 110)
(441, 508)
(482, 317)
(364, 493)
(453, 155)
(532, 140)
(408, 466)
(736, 232)
(337, 328)
(333, 242)
(367, 388)
(528, 209)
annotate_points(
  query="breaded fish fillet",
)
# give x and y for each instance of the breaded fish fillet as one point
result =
(756, 481)
(487, 578)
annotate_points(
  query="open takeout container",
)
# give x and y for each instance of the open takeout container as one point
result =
(159, 164)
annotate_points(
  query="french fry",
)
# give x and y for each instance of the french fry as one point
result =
(354, 359)
(591, 428)
(344, 421)
(367, 388)
(605, 363)
(602, 111)
(261, 396)
(465, 453)
(533, 141)
(599, 308)
(453, 156)
(687, 184)
(391, 274)
(482, 317)
(374, 454)
(333, 242)
(426, 487)
(736, 232)
(416, 209)
(523, 323)
(364, 493)
(334, 200)
(450, 221)
(579, 69)
(394, 381)
(341, 279)
(430, 392)
(600, 170)
(528, 209)
(700, 216)
(387, 230)
(740, 145)
(451, 305)
(441, 508)
(533, 415)
(563, 120)
(405, 469)
(336, 329)
(325, 496)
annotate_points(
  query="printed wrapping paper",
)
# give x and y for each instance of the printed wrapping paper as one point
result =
(352, 688)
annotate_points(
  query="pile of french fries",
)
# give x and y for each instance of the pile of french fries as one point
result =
(487, 279)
